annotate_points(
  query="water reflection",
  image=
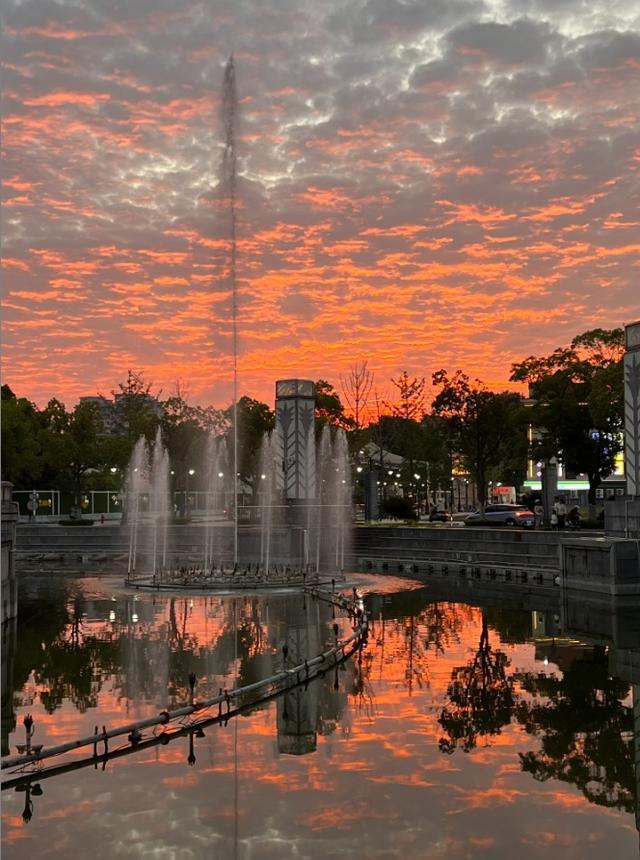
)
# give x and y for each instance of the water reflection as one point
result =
(453, 707)
(480, 697)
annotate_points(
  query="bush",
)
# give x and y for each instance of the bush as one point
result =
(401, 509)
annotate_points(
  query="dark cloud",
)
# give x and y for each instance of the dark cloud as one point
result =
(520, 43)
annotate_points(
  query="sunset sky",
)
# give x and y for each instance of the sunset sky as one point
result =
(423, 184)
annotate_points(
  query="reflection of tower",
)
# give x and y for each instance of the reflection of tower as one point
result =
(297, 719)
(297, 712)
(636, 738)
(296, 452)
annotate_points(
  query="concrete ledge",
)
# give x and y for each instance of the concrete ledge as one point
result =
(488, 572)
(604, 565)
(622, 518)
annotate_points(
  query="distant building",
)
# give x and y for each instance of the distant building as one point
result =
(106, 408)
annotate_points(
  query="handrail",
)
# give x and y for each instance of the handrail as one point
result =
(358, 636)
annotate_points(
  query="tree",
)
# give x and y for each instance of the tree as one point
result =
(578, 403)
(254, 420)
(137, 410)
(72, 442)
(412, 397)
(485, 427)
(438, 452)
(21, 448)
(329, 408)
(356, 388)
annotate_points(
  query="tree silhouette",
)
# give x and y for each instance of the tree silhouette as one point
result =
(481, 698)
(585, 729)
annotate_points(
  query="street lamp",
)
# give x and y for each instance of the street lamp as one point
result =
(190, 473)
(417, 477)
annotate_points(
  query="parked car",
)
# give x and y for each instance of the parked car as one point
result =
(435, 517)
(461, 516)
(503, 515)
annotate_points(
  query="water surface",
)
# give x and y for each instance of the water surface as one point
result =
(463, 731)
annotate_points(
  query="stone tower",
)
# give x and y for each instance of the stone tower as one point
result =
(295, 434)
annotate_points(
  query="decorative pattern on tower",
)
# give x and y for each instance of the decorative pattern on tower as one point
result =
(632, 409)
(295, 434)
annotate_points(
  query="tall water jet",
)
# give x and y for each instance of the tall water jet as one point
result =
(331, 523)
(159, 501)
(137, 486)
(229, 187)
(322, 525)
(217, 471)
(269, 506)
(341, 496)
(148, 507)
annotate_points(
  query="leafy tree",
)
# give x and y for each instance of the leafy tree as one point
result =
(485, 428)
(329, 408)
(404, 436)
(254, 420)
(578, 393)
(398, 507)
(72, 442)
(137, 410)
(438, 451)
(21, 448)
(412, 397)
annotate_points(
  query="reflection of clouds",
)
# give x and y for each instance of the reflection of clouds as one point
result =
(383, 790)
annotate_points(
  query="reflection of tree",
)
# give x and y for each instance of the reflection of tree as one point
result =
(586, 732)
(361, 687)
(511, 624)
(408, 628)
(481, 698)
(66, 663)
(443, 623)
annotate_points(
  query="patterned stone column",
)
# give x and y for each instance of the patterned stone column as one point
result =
(632, 410)
(295, 434)
(622, 516)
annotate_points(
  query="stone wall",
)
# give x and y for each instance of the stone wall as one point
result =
(10, 513)
(603, 565)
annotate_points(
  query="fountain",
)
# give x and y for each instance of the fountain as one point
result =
(301, 512)
(147, 505)
(281, 544)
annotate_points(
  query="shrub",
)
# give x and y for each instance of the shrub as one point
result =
(398, 507)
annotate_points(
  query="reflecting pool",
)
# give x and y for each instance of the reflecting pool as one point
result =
(466, 728)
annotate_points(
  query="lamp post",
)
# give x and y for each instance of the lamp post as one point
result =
(190, 473)
(417, 477)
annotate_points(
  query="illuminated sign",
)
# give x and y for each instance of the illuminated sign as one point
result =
(562, 485)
